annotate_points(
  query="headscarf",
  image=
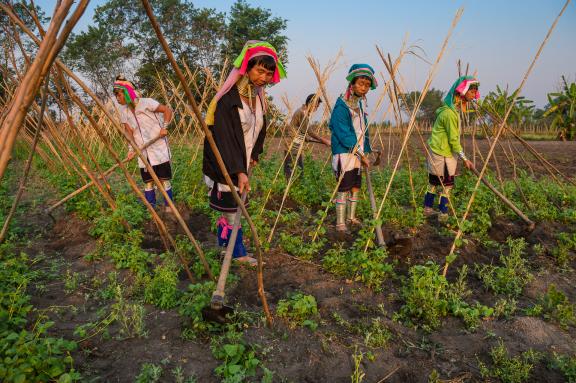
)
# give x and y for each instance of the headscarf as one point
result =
(252, 48)
(128, 88)
(462, 85)
(360, 70)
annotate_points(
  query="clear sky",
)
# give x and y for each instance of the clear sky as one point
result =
(498, 39)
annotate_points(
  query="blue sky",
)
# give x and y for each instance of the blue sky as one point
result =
(498, 39)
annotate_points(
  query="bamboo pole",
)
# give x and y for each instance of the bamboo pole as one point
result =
(219, 160)
(89, 184)
(24, 178)
(498, 133)
(160, 224)
(411, 124)
(45, 56)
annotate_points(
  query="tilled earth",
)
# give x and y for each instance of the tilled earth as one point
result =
(302, 355)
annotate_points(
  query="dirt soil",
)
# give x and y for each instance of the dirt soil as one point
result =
(301, 355)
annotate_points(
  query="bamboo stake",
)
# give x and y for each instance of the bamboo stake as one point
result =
(219, 160)
(156, 217)
(24, 178)
(499, 132)
(392, 71)
(24, 95)
(159, 185)
(416, 107)
(89, 184)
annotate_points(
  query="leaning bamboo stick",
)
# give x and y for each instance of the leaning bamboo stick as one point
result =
(498, 133)
(24, 95)
(28, 164)
(219, 160)
(412, 122)
(103, 175)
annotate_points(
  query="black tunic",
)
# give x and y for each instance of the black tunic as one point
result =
(229, 137)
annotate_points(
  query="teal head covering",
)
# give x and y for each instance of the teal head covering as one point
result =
(358, 70)
(460, 86)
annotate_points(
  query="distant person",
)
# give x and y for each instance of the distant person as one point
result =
(145, 119)
(299, 132)
(350, 142)
(444, 144)
(236, 118)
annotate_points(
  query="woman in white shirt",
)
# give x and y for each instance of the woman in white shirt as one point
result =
(145, 119)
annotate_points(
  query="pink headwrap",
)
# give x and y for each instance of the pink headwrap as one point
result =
(128, 89)
(252, 48)
(463, 87)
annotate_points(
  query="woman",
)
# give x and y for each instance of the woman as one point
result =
(444, 144)
(350, 142)
(144, 120)
(236, 118)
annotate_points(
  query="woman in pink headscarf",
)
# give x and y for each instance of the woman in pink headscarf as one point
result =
(444, 144)
(145, 119)
(236, 118)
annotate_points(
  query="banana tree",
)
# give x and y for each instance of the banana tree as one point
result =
(561, 108)
(497, 102)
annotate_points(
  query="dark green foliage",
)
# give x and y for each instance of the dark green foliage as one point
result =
(299, 310)
(427, 111)
(246, 22)
(509, 369)
(26, 352)
(555, 306)
(512, 276)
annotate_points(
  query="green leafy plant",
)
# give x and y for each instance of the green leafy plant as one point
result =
(508, 369)
(149, 373)
(295, 245)
(357, 375)
(192, 302)
(566, 244)
(505, 308)
(377, 335)
(512, 276)
(566, 365)
(239, 360)
(471, 314)
(27, 352)
(369, 267)
(162, 290)
(555, 306)
(71, 280)
(299, 310)
(425, 297)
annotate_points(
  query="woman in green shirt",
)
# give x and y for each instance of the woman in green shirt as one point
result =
(444, 144)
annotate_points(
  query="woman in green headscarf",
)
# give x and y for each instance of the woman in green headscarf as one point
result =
(444, 144)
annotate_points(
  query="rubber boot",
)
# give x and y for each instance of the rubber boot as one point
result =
(351, 208)
(341, 211)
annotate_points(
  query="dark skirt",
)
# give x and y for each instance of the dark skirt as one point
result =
(163, 172)
(223, 201)
(446, 180)
(351, 179)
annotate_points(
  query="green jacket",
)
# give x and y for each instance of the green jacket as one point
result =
(445, 139)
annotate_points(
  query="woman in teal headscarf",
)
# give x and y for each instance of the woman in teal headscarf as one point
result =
(444, 144)
(350, 142)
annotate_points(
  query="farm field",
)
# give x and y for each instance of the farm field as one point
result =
(506, 305)
(215, 191)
